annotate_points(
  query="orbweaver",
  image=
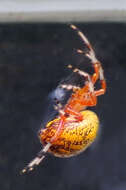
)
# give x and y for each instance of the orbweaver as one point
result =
(75, 127)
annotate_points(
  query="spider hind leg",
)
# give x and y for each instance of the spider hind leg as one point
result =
(36, 161)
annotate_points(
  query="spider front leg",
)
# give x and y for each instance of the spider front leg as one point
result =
(98, 71)
(98, 74)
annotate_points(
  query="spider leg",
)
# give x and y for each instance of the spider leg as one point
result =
(98, 74)
(91, 55)
(70, 87)
(59, 130)
(82, 36)
(59, 108)
(36, 161)
(89, 83)
(102, 90)
(90, 97)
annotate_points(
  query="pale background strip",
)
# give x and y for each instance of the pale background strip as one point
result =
(62, 10)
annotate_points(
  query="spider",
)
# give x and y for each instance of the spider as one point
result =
(75, 127)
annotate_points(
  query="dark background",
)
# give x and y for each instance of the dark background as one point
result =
(33, 60)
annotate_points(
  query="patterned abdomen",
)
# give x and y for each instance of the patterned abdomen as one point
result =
(75, 137)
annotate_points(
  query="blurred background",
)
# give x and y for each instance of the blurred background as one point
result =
(33, 60)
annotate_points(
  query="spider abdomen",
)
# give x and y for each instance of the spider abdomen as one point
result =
(75, 137)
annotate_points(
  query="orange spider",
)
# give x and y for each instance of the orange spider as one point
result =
(75, 128)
